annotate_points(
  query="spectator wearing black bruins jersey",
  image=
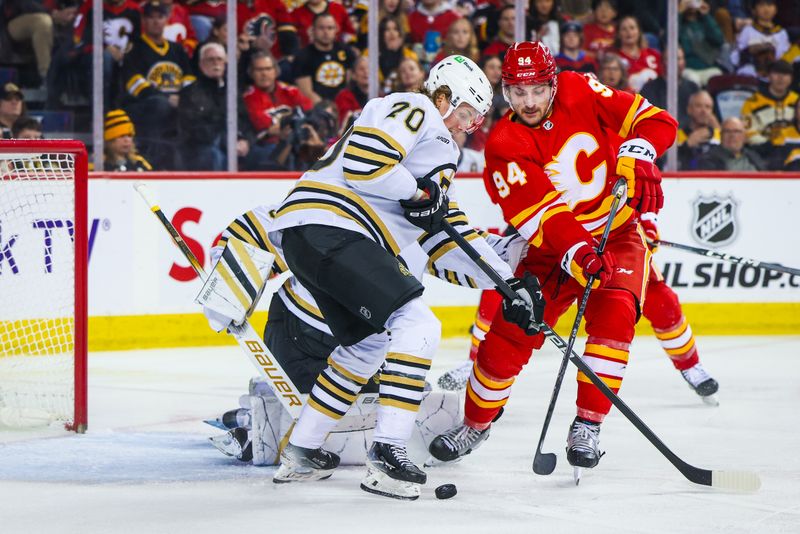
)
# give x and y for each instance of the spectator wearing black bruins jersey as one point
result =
(771, 108)
(321, 69)
(154, 71)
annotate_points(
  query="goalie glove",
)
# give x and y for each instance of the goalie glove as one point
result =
(527, 309)
(649, 223)
(636, 163)
(581, 261)
(232, 290)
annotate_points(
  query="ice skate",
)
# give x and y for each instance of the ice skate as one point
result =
(457, 442)
(300, 464)
(231, 419)
(456, 379)
(234, 443)
(390, 473)
(583, 445)
(702, 383)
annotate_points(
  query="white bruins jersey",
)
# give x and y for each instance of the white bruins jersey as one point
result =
(253, 227)
(358, 183)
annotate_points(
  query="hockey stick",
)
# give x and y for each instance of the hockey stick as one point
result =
(545, 462)
(250, 342)
(727, 480)
(728, 257)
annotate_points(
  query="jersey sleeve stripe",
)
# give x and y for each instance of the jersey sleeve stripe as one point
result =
(652, 110)
(360, 149)
(380, 136)
(300, 302)
(241, 232)
(520, 218)
(628, 122)
(534, 228)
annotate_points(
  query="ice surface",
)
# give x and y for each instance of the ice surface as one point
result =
(146, 464)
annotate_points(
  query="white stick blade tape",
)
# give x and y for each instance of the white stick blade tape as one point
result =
(736, 480)
(145, 193)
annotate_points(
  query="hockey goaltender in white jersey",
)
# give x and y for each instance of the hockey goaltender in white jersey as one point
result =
(256, 430)
(382, 187)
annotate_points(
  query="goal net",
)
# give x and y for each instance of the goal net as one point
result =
(43, 259)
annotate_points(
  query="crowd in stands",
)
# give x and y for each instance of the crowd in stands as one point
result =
(303, 73)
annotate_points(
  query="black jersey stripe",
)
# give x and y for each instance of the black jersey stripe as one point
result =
(236, 269)
(367, 148)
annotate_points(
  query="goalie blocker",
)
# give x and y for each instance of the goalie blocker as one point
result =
(234, 287)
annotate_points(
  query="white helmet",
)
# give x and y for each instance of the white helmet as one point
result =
(465, 79)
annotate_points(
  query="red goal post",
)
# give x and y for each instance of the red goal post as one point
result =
(43, 283)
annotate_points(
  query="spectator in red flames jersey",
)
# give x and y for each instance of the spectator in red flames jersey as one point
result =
(179, 28)
(644, 64)
(303, 18)
(268, 100)
(352, 99)
(431, 15)
(599, 34)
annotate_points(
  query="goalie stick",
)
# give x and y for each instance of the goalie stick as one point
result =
(728, 257)
(545, 462)
(726, 480)
(251, 343)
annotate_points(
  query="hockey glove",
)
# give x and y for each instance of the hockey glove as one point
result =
(581, 261)
(427, 208)
(636, 163)
(648, 222)
(527, 309)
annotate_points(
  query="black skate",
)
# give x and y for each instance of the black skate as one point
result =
(235, 443)
(301, 464)
(390, 473)
(457, 442)
(583, 443)
(702, 383)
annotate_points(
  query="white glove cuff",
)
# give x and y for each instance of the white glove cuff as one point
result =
(637, 148)
(649, 216)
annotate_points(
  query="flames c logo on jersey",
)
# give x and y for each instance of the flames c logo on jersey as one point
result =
(578, 179)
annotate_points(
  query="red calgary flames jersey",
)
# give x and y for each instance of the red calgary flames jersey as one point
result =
(553, 182)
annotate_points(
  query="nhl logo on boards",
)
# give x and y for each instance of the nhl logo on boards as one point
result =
(548, 125)
(714, 220)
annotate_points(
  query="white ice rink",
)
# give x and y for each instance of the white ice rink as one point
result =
(146, 466)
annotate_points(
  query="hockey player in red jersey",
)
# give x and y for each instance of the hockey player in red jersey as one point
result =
(661, 308)
(551, 163)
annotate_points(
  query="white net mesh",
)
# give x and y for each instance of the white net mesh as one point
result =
(37, 288)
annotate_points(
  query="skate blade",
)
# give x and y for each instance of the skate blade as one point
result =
(434, 462)
(286, 474)
(380, 483)
(216, 423)
(577, 472)
(711, 400)
(225, 444)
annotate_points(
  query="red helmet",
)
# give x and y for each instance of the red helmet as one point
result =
(530, 63)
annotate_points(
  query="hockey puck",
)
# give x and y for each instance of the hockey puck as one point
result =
(445, 491)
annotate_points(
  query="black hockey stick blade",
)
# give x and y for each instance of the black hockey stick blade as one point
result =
(745, 481)
(544, 463)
